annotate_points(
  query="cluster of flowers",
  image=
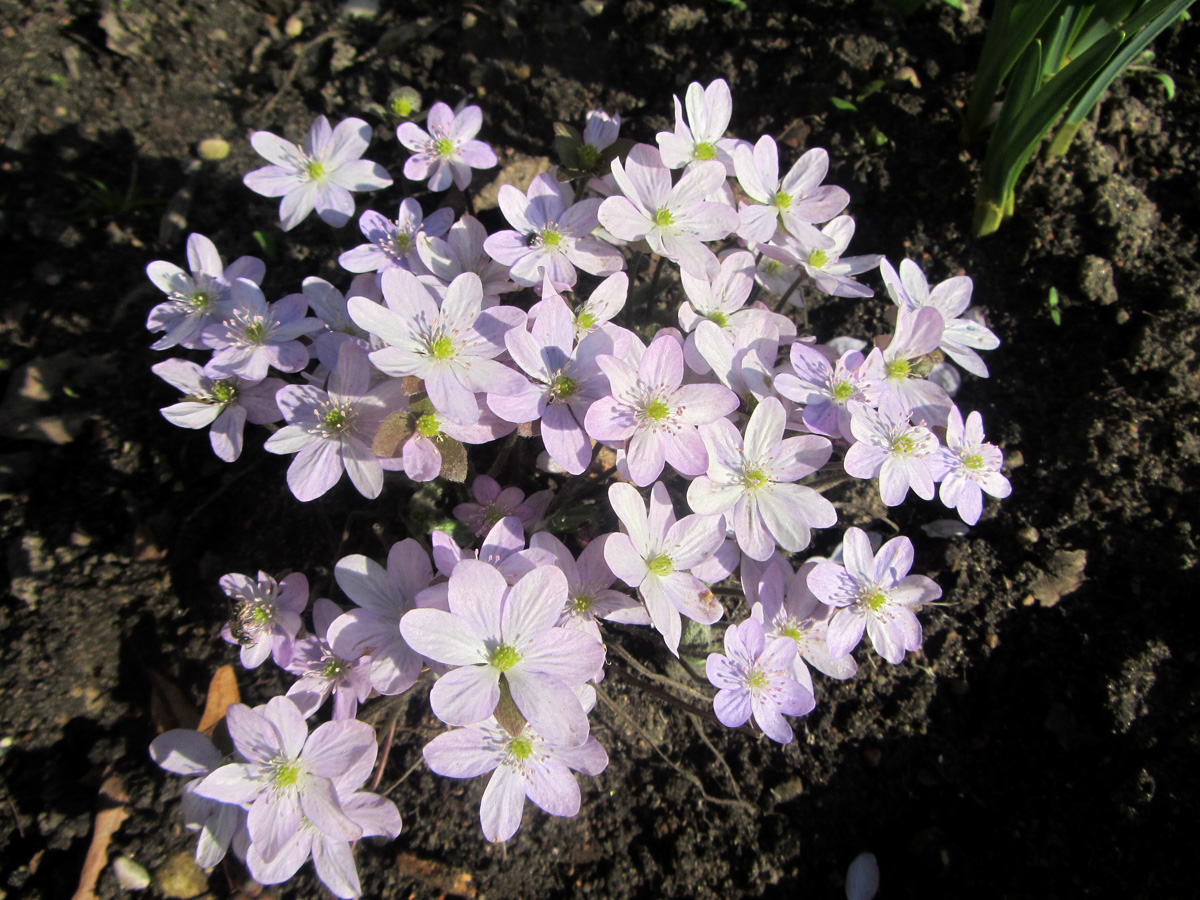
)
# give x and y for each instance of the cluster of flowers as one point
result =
(421, 355)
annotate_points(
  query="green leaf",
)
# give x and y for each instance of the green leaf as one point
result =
(839, 103)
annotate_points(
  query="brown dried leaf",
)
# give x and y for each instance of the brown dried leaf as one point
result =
(222, 691)
(108, 820)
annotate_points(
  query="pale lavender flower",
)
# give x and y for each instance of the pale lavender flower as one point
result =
(226, 404)
(873, 592)
(451, 349)
(656, 552)
(702, 136)
(754, 679)
(196, 300)
(318, 175)
(753, 483)
(826, 390)
(382, 598)
(192, 754)
(291, 776)
(493, 504)
(889, 446)
(462, 251)
(447, 151)
(552, 235)
(824, 264)
(257, 335)
(492, 632)
(799, 201)
(674, 221)
(656, 413)
(394, 243)
(893, 368)
(266, 616)
(525, 766)
(322, 672)
(331, 431)
(967, 467)
(961, 336)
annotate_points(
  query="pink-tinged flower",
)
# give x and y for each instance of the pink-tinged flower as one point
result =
(788, 609)
(961, 336)
(656, 413)
(318, 175)
(191, 754)
(291, 778)
(447, 151)
(451, 349)
(332, 431)
(826, 390)
(322, 672)
(257, 335)
(382, 598)
(226, 404)
(552, 235)
(754, 679)
(654, 556)
(967, 467)
(493, 504)
(893, 368)
(565, 380)
(799, 201)
(492, 632)
(830, 273)
(462, 251)
(394, 243)
(701, 137)
(589, 583)
(873, 592)
(753, 483)
(196, 300)
(266, 616)
(524, 766)
(889, 446)
(674, 221)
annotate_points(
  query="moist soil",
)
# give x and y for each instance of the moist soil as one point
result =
(1042, 744)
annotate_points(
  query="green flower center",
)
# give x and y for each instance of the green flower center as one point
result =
(818, 258)
(899, 368)
(782, 200)
(427, 426)
(224, 392)
(754, 478)
(588, 156)
(657, 410)
(441, 348)
(660, 565)
(504, 657)
(663, 217)
(521, 748)
(843, 391)
(443, 146)
(551, 238)
(585, 321)
(874, 599)
(706, 151)
(563, 387)
(314, 170)
(583, 603)
(719, 319)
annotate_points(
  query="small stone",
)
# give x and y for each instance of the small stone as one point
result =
(181, 878)
(131, 876)
(1027, 536)
(213, 149)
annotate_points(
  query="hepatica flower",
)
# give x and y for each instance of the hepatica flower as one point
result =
(523, 765)
(875, 593)
(550, 235)
(320, 174)
(968, 468)
(754, 679)
(448, 151)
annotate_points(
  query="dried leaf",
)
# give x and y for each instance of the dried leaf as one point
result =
(222, 691)
(108, 820)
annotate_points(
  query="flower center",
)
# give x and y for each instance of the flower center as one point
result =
(224, 392)
(427, 426)
(818, 258)
(660, 565)
(314, 170)
(719, 319)
(843, 391)
(443, 147)
(441, 348)
(663, 217)
(588, 156)
(504, 657)
(782, 200)
(563, 387)
(899, 368)
(706, 151)
(657, 410)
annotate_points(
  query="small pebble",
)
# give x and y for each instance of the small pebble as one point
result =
(213, 149)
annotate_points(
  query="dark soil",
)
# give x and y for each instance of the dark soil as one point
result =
(1043, 744)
